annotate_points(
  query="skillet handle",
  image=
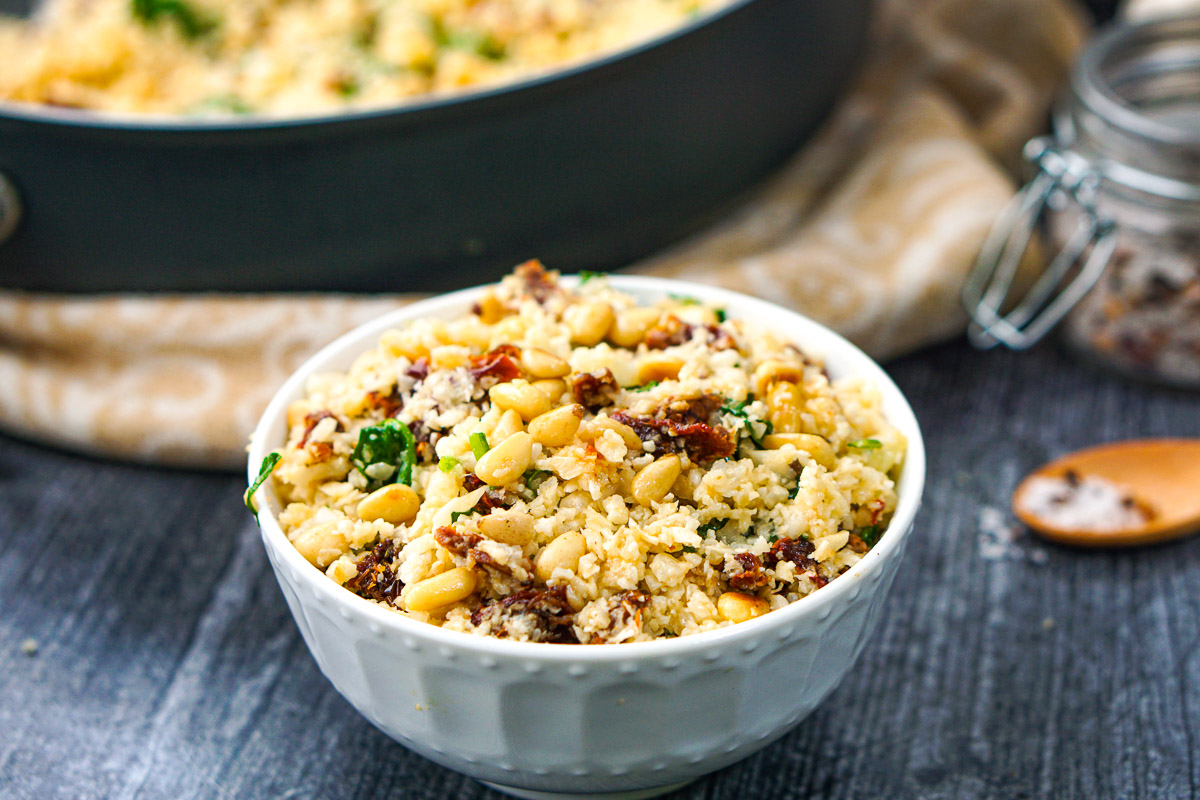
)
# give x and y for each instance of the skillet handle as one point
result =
(10, 208)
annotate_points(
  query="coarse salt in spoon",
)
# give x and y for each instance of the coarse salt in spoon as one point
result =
(1115, 495)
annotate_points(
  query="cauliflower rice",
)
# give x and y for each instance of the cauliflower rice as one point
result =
(296, 57)
(563, 465)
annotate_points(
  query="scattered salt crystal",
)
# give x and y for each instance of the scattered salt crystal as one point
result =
(1081, 504)
(995, 537)
(999, 540)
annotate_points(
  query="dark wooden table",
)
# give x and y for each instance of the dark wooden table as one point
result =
(167, 665)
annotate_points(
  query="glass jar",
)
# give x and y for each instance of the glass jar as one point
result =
(1116, 199)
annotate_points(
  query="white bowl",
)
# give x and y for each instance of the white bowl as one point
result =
(627, 720)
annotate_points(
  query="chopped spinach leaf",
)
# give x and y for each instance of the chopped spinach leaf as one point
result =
(534, 478)
(227, 103)
(447, 464)
(869, 534)
(479, 444)
(712, 526)
(454, 515)
(645, 387)
(755, 428)
(191, 23)
(722, 315)
(687, 548)
(264, 472)
(385, 454)
(684, 300)
(866, 444)
(586, 275)
(482, 44)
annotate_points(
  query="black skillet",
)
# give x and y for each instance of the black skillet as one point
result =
(586, 168)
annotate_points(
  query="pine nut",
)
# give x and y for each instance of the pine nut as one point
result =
(507, 461)
(491, 310)
(449, 356)
(396, 504)
(738, 607)
(403, 343)
(588, 322)
(816, 446)
(654, 481)
(509, 423)
(321, 543)
(520, 396)
(540, 364)
(631, 325)
(783, 407)
(552, 388)
(440, 590)
(774, 370)
(658, 368)
(565, 552)
(508, 527)
(597, 426)
(558, 427)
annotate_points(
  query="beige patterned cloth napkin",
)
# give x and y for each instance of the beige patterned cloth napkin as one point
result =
(869, 229)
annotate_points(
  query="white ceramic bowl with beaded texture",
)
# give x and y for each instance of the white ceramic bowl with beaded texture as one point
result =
(625, 720)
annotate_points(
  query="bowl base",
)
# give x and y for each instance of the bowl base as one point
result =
(635, 794)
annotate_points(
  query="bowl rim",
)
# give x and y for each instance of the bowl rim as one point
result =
(843, 356)
(430, 103)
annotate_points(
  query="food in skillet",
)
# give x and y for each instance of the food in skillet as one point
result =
(298, 57)
(564, 465)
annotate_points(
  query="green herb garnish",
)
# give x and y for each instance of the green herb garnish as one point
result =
(228, 103)
(721, 315)
(712, 526)
(535, 477)
(385, 453)
(586, 275)
(687, 548)
(347, 87)
(869, 535)
(755, 428)
(479, 444)
(645, 387)
(684, 299)
(866, 444)
(447, 464)
(454, 515)
(264, 472)
(191, 23)
(482, 44)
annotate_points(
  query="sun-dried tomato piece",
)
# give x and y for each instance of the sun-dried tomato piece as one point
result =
(684, 426)
(419, 370)
(594, 390)
(499, 364)
(672, 332)
(752, 576)
(376, 579)
(455, 542)
(426, 441)
(552, 615)
(390, 403)
(310, 422)
(796, 551)
(537, 283)
(624, 610)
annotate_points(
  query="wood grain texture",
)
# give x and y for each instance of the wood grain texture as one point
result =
(168, 666)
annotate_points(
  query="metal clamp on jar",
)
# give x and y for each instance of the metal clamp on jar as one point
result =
(1116, 197)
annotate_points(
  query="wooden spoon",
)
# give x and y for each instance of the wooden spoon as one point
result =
(1161, 475)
